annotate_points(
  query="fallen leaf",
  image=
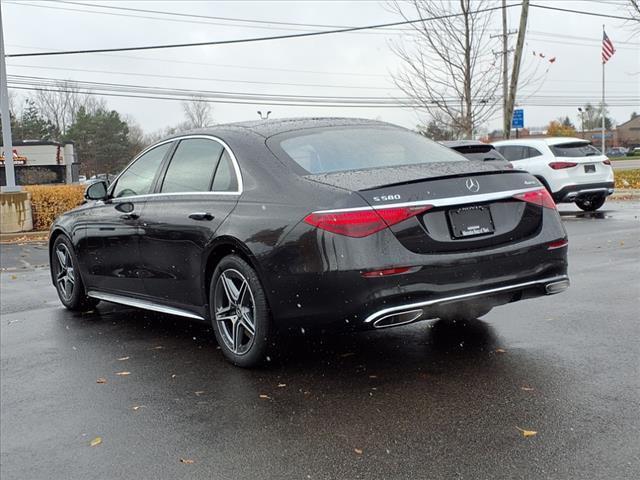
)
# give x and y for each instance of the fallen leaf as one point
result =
(173, 375)
(527, 389)
(157, 347)
(527, 433)
(101, 380)
(265, 397)
(188, 461)
(282, 385)
(123, 374)
(14, 277)
(122, 359)
(358, 451)
(500, 350)
(96, 441)
(135, 408)
(199, 392)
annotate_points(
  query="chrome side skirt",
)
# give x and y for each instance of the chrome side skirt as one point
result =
(144, 304)
(552, 285)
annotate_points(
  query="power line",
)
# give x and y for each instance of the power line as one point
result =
(207, 79)
(581, 12)
(254, 39)
(138, 91)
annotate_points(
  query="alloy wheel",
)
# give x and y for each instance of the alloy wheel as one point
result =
(65, 277)
(235, 311)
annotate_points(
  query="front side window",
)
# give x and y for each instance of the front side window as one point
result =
(356, 148)
(512, 152)
(192, 166)
(574, 149)
(138, 178)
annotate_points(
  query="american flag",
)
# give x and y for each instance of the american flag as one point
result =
(607, 48)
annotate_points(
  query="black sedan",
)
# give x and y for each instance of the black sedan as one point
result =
(266, 226)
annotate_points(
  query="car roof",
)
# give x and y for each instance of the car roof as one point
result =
(541, 141)
(270, 127)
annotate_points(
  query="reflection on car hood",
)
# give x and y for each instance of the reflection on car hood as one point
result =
(377, 177)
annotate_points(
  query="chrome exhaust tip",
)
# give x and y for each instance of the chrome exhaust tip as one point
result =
(556, 287)
(395, 319)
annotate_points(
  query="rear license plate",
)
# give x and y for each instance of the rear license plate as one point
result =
(471, 221)
(590, 168)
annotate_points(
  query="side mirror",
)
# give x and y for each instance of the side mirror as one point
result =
(96, 191)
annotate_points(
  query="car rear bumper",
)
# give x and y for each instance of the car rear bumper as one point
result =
(490, 297)
(570, 193)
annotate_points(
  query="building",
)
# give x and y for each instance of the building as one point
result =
(38, 162)
(629, 133)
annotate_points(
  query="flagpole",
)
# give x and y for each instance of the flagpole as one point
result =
(603, 109)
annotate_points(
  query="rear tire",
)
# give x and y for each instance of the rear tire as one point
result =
(66, 275)
(239, 313)
(592, 203)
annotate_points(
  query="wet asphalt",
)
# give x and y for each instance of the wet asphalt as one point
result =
(429, 400)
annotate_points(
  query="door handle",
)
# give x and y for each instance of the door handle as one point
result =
(201, 216)
(130, 216)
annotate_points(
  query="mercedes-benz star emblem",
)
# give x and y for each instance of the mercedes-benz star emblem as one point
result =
(472, 184)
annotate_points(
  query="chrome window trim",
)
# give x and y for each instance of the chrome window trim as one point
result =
(435, 301)
(234, 161)
(138, 303)
(440, 202)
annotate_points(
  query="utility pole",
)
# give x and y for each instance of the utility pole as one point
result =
(6, 120)
(517, 59)
(506, 121)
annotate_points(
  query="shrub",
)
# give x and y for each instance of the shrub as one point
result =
(50, 201)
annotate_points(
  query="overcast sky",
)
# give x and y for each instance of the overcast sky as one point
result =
(338, 62)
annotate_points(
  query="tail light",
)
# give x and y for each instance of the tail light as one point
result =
(563, 242)
(389, 272)
(537, 197)
(361, 223)
(607, 162)
(561, 165)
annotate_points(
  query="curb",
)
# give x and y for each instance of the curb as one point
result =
(625, 194)
(23, 237)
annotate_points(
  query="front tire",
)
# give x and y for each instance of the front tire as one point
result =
(66, 275)
(239, 312)
(592, 203)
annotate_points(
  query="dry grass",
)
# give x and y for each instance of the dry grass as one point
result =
(50, 201)
(628, 178)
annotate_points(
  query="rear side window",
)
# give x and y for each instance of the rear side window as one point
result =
(574, 149)
(225, 179)
(192, 166)
(356, 148)
(138, 178)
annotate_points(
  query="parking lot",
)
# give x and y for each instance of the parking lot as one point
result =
(428, 400)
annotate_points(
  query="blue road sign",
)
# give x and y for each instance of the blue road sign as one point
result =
(518, 118)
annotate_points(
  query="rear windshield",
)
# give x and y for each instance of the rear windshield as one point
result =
(479, 152)
(356, 148)
(574, 149)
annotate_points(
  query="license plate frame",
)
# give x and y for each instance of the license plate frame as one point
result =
(472, 221)
(590, 168)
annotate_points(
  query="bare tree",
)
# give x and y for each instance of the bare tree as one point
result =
(450, 70)
(61, 103)
(197, 113)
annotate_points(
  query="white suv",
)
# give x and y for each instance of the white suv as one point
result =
(572, 169)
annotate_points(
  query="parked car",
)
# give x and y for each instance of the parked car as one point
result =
(476, 150)
(572, 169)
(288, 224)
(616, 152)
